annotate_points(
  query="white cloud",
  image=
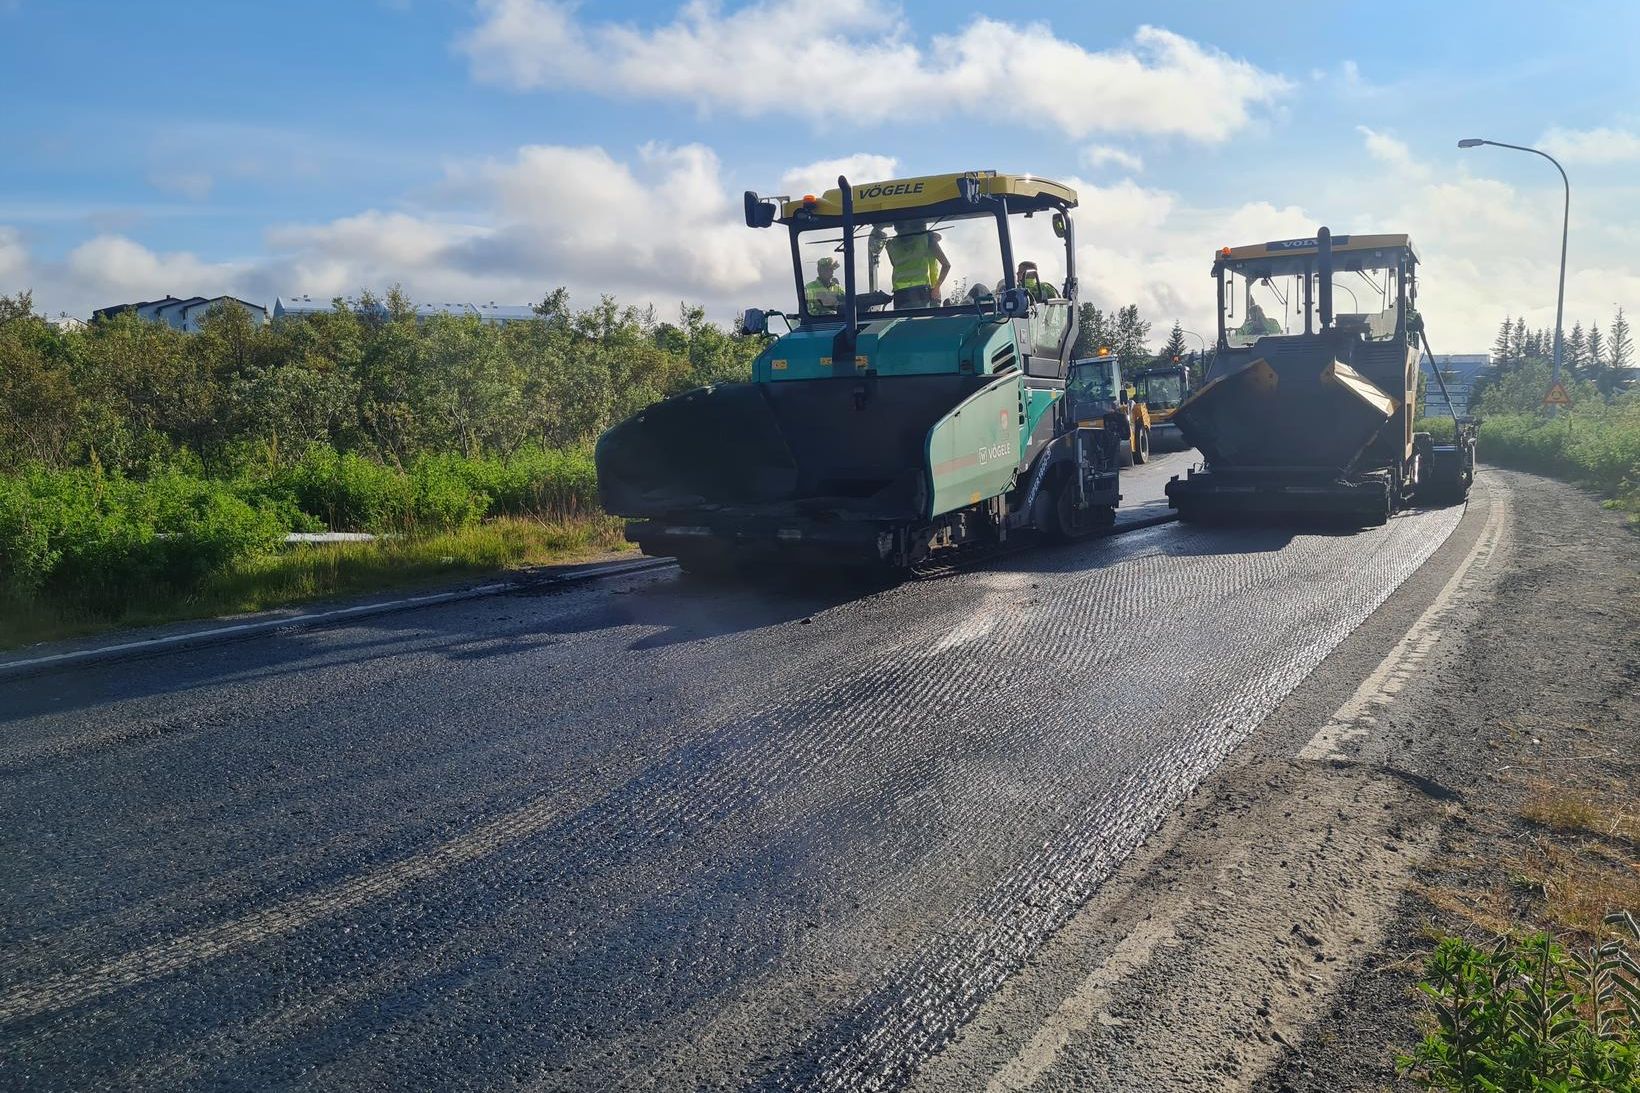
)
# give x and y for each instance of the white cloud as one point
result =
(1393, 152)
(661, 223)
(1099, 155)
(861, 63)
(1594, 147)
(13, 260)
(815, 178)
(117, 266)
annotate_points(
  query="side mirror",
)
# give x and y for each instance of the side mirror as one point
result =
(1059, 224)
(968, 190)
(759, 213)
(754, 321)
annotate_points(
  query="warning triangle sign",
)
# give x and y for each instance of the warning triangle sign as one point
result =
(1557, 396)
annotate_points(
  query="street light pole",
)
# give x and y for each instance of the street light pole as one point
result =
(1565, 224)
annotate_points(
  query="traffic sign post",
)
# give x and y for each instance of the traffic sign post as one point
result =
(1557, 396)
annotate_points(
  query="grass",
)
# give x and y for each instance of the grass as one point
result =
(1551, 1000)
(306, 572)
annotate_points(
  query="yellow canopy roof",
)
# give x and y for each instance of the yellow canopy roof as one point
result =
(1305, 248)
(905, 194)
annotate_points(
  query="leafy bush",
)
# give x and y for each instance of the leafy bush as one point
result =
(1530, 1016)
(98, 539)
(1598, 446)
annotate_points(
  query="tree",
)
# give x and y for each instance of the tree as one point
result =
(20, 306)
(1517, 341)
(1620, 346)
(1131, 333)
(1093, 330)
(1174, 350)
(1577, 350)
(1503, 348)
(1597, 355)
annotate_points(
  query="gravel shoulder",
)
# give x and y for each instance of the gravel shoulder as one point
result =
(1268, 936)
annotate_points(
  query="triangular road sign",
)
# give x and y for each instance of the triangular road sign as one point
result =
(1557, 396)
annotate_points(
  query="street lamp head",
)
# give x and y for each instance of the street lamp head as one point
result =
(1471, 142)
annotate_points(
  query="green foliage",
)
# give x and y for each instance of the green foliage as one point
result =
(1124, 331)
(375, 382)
(99, 540)
(95, 538)
(139, 463)
(1597, 444)
(1530, 1016)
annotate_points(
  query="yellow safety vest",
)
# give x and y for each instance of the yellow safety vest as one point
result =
(913, 259)
(823, 297)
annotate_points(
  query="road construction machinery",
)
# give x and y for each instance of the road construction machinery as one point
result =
(923, 404)
(1162, 388)
(1307, 410)
(1114, 394)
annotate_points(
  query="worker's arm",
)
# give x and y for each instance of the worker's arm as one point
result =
(945, 267)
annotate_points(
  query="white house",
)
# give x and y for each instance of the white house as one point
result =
(181, 314)
(1460, 371)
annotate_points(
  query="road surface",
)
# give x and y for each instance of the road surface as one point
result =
(651, 833)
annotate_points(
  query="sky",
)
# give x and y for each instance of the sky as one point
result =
(492, 150)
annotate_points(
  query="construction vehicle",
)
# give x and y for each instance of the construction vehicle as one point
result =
(891, 423)
(1119, 406)
(1313, 412)
(1162, 388)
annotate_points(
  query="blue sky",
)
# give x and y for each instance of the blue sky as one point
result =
(495, 149)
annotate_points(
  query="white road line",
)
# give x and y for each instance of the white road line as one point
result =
(66, 989)
(1355, 719)
(1088, 1004)
(246, 629)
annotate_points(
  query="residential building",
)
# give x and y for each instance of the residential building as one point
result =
(1460, 371)
(178, 313)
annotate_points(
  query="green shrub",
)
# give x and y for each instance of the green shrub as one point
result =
(98, 540)
(349, 492)
(1597, 445)
(1529, 1016)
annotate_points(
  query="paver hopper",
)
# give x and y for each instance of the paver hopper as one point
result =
(1315, 414)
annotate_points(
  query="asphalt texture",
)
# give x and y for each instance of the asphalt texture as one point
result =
(655, 833)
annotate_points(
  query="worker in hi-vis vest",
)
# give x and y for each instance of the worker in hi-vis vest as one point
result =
(824, 294)
(919, 264)
(1031, 282)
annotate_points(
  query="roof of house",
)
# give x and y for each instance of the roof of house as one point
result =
(173, 302)
(207, 304)
(117, 309)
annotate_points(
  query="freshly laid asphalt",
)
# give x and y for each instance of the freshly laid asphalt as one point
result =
(649, 833)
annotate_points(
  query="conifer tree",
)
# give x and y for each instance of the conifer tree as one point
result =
(1576, 350)
(1174, 350)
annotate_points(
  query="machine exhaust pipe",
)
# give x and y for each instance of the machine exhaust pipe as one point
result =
(1324, 269)
(842, 346)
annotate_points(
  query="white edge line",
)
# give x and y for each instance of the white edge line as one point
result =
(380, 607)
(1345, 724)
(383, 607)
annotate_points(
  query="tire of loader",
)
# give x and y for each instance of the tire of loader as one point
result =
(1141, 446)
